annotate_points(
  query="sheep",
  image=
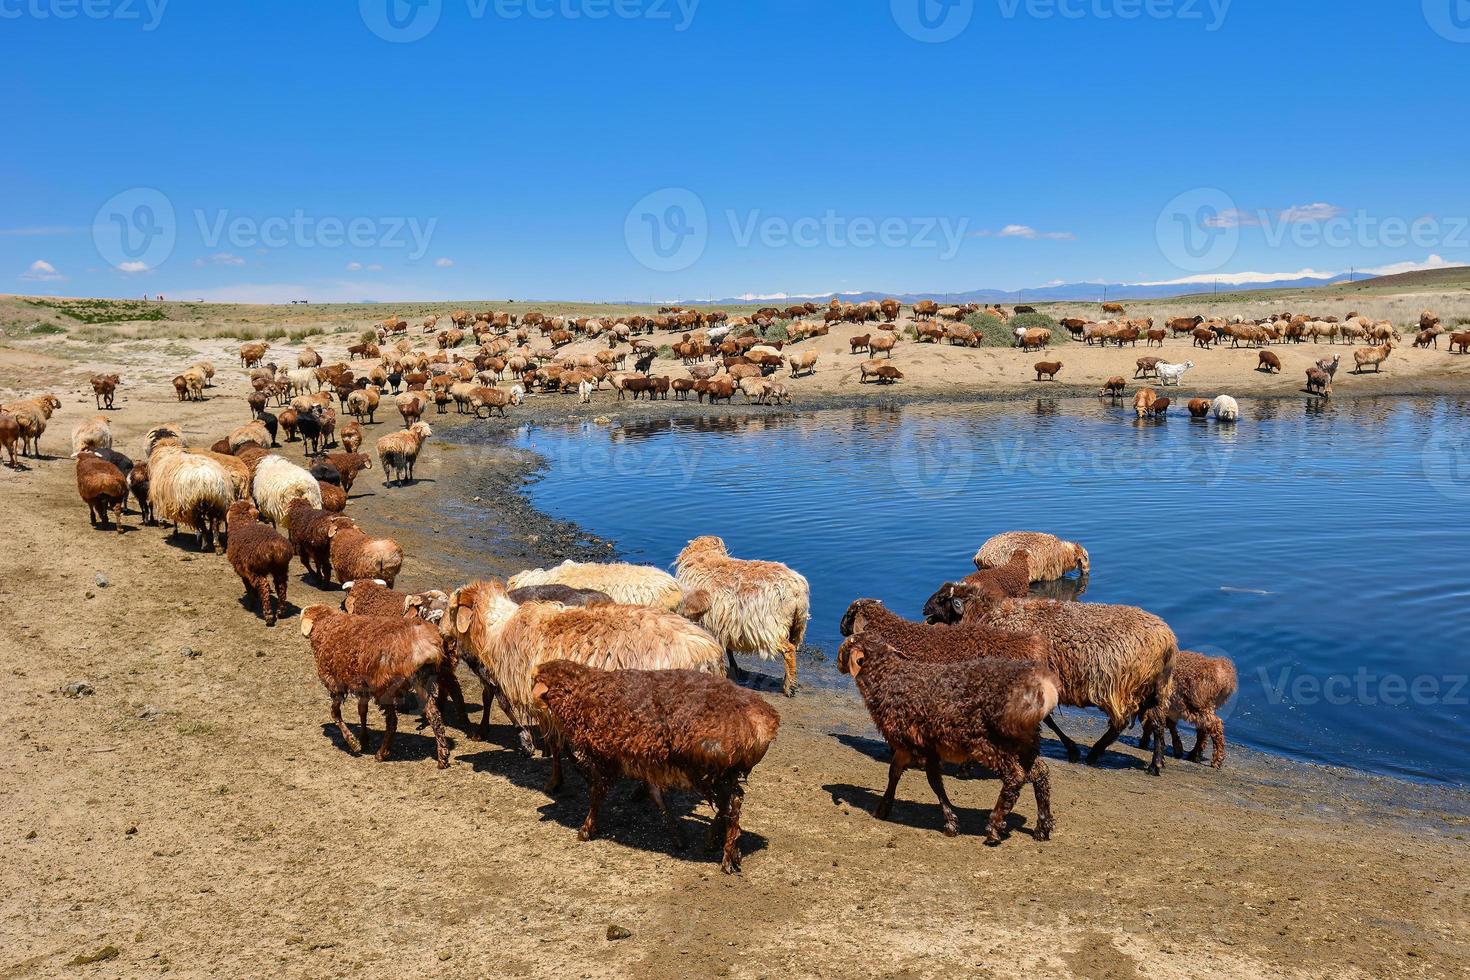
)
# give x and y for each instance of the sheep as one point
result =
(1159, 408)
(633, 585)
(503, 643)
(1173, 374)
(379, 658)
(1146, 366)
(1461, 340)
(803, 363)
(1049, 369)
(276, 484)
(1225, 409)
(675, 729)
(1319, 382)
(363, 404)
(399, 451)
(1364, 356)
(372, 598)
(1199, 408)
(351, 437)
(252, 433)
(307, 529)
(95, 433)
(102, 487)
(138, 479)
(346, 466)
(563, 594)
(1114, 387)
(355, 556)
(1048, 556)
(1116, 658)
(986, 711)
(9, 436)
(1009, 580)
(1268, 362)
(104, 389)
(334, 498)
(31, 416)
(260, 556)
(757, 607)
(189, 490)
(1201, 686)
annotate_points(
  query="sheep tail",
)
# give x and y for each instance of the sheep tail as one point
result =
(1033, 698)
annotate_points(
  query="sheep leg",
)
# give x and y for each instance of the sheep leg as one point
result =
(1178, 744)
(1040, 777)
(436, 723)
(263, 596)
(896, 769)
(1217, 743)
(730, 858)
(597, 792)
(553, 782)
(951, 819)
(390, 727)
(788, 654)
(657, 796)
(362, 708)
(347, 735)
(1073, 753)
(449, 689)
(1013, 779)
(1145, 736)
(1111, 736)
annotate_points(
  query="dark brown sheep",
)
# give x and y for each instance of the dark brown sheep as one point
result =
(309, 538)
(562, 594)
(260, 556)
(671, 729)
(1009, 581)
(1268, 362)
(985, 711)
(1202, 685)
(1048, 369)
(102, 487)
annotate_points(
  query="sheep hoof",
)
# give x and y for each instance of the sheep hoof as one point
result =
(1155, 769)
(790, 691)
(1044, 829)
(730, 867)
(953, 830)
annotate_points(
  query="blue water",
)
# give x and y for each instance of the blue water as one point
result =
(1322, 548)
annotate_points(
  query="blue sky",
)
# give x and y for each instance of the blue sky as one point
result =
(657, 149)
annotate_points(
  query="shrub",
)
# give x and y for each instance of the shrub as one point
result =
(46, 328)
(993, 333)
(666, 353)
(778, 331)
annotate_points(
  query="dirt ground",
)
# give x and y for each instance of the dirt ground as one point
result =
(193, 814)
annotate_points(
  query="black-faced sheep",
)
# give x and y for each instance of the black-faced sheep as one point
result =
(673, 729)
(985, 711)
(379, 658)
(755, 607)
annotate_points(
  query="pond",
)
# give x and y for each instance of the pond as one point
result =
(1321, 547)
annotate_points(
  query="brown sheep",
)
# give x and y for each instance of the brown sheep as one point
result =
(355, 555)
(1048, 369)
(104, 388)
(1202, 685)
(10, 435)
(1268, 362)
(1048, 556)
(260, 556)
(1199, 408)
(676, 729)
(379, 658)
(138, 478)
(370, 597)
(861, 345)
(348, 465)
(1460, 340)
(1146, 366)
(1116, 658)
(1364, 356)
(399, 451)
(986, 711)
(1114, 387)
(1143, 401)
(309, 539)
(351, 437)
(102, 487)
(1009, 580)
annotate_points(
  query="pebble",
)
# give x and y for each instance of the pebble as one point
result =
(614, 933)
(190, 652)
(149, 712)
(77, 689)
(101, 581)
(101, 956)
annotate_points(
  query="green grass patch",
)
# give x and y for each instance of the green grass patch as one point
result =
(103, 310)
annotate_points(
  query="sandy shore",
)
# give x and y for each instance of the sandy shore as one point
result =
(193, 815)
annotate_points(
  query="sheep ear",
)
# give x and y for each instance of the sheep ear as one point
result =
(307, 622)
(538, 693)
(463, 616)
(855, 661)
(957, 604)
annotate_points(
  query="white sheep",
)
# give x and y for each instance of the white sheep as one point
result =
(1173, 374)
(633, 585)
(277, 483)
(1225, 409)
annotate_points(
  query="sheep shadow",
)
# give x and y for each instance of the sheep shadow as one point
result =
(919, 813)
(398, 484)
(1052, 750)
(287, 610)
(628, 817)
(408, 745)
(112, 527)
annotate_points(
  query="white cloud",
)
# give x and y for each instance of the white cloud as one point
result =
(132, 268)
(1297, 214)
(1026, 232)
(354, 267)
(41, 271)
(444, 263)
(1433, 262)
(1232, 219)
(225, 258)
(1303, 213)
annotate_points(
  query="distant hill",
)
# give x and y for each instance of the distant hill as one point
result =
(1455, 277)
(1088, 292)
